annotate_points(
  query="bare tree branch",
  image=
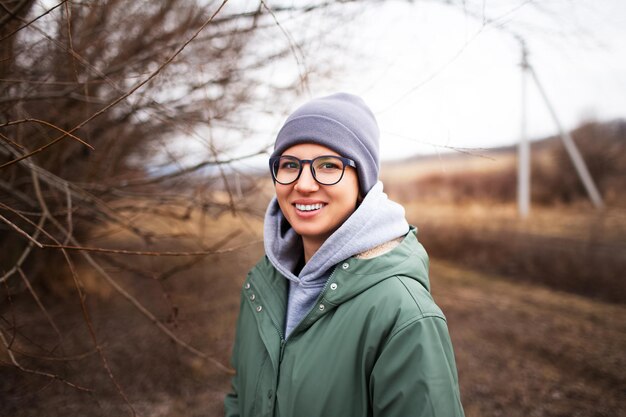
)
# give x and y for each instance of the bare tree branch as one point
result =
(297, 52)
(26, 252)
(81, 295)
(46, 146)
(154, 253)
(36, 372)
(20, 231)
(25, 25)
(39, 303)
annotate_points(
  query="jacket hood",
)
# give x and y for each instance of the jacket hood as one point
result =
(409, 259)
(355, 276)
(376, 221)
(351, 278)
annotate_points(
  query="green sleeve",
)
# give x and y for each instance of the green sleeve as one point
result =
(415, 374)
(231, 401)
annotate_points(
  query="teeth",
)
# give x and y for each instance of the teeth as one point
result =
(309, 207)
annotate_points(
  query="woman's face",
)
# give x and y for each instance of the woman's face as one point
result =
(337, 201)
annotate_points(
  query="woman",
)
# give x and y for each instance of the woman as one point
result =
(337, 318)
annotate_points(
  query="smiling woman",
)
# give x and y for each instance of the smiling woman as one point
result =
(315, 209)
(337, 319)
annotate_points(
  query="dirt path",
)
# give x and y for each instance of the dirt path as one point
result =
(523, 350)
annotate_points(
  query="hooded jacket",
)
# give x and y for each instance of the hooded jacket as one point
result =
(375, 221)
(374, 344)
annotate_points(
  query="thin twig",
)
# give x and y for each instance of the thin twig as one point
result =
(32, 21)
(122, 291)
(151, 253)
(36, 372)
(8, 140)
(467, 151)
(59, 183)
(47, 145)
(43, 122)
(20, 231)
(81, 295)
(13, 322)
(150, 316)
(39, 303)
(55, 358)
(231, 200)
(68, 18)
(135, 88)
(70, 222)
(172, 271)
(295, 48)
(180, 172)
(6, 187)
(432, 76)
(12, 14)
(26, 252)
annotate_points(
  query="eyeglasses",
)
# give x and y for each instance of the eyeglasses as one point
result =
(326, 170)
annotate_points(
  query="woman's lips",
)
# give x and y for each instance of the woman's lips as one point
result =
(309, 207)
(308, 210)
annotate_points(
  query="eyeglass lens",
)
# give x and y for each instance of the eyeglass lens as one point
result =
(327, 170)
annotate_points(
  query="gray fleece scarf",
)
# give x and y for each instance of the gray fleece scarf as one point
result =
(377, 220)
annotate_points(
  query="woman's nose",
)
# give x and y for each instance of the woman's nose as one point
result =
(306, 183)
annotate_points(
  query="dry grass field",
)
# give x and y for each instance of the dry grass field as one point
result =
(569, 248)
(195, 297)
(536, 308)
(522, 349)
(465, 207)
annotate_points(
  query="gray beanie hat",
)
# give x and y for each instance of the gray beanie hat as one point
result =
(341, 122)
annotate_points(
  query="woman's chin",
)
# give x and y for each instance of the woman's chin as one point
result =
(311, 231)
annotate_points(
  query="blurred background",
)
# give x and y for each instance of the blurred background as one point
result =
(133, 145)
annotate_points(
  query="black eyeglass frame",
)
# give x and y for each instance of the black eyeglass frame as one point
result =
(345, 162)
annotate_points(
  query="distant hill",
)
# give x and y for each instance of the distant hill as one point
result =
(490, 174)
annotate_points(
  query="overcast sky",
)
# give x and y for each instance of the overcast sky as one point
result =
(437, 76)
(440, 77)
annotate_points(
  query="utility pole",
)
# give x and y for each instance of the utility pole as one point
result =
(523, 151)
(523, 168)
(572, 150)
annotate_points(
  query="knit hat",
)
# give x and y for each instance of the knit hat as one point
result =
(341, 122)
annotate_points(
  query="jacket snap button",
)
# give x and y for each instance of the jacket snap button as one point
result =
(322, 307)
(270, 393)
(247, 286)
(252, 297)
(259, 308)
(333, 286)
(345, 265)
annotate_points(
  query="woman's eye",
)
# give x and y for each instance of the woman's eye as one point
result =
(328, 165)
(289, 165)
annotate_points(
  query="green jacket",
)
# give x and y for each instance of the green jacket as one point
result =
(376, 344)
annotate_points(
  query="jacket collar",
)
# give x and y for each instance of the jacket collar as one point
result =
(350, 278)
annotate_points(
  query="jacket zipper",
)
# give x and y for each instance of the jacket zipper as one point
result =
(319, 298)
(282, 342)
(283, 339)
